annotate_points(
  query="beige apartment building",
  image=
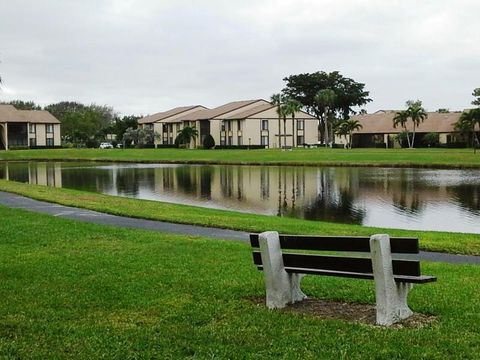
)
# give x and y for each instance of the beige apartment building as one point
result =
(238, 123)
(28, 128)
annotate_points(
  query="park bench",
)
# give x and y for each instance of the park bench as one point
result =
(393, 277)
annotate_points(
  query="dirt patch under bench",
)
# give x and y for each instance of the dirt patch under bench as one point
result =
(350, 312)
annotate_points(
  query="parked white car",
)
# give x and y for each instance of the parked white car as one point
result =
(106, 145)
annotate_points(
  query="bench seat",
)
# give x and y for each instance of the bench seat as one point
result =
(422, 279)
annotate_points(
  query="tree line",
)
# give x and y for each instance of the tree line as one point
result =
(84, 125)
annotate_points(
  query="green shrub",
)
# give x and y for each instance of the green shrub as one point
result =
(178, 141)
(92, 143)
(401, 138)
(431, 139)
(208, 142)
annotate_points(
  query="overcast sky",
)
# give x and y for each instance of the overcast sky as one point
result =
(145, 56)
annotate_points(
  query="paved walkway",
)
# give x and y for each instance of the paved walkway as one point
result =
(22, 202)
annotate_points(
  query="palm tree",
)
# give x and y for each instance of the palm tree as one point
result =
(291, 107)
(346, 128)
(341, 130)
(277, 99)
(418, 115)
(467, 123)
(401, 118)
(351, 125)
(326, 98)
(187, 134)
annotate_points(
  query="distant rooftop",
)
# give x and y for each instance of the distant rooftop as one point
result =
(220, 110)
(381, 122)
(166, 114)
(8, 113)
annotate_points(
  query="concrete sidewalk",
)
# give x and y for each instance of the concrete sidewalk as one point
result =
(21, 202)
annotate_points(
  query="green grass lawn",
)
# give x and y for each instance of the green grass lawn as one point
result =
(455, 158)
(156, 210)
(77, 290)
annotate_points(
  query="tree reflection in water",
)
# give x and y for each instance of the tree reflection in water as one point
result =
(377, 197)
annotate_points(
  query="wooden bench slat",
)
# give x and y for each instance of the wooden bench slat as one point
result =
(422, 279)
(399, 245)
(341, 264)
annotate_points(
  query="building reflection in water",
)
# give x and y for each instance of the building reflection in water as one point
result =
(381, 197)
(43, 173)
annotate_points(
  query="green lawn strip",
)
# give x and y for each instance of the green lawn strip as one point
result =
(440, 158)
(76, 290)
(155, 210)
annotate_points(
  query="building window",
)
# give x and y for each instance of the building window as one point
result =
(300, 124)
(33, 142)
(32, 129)
(230, 140)
(49, 141)
(222, 125)
(264, 140)
(239, 125)
(264, 125)
(300, 140)
(222, 140)
(240, 141)
(49, 128)
(178, 127)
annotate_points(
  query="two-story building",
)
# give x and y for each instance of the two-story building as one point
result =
(28, 128)
(238, 123)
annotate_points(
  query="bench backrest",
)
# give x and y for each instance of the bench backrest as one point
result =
(351, 266)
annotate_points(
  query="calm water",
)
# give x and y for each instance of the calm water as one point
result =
(447, 200)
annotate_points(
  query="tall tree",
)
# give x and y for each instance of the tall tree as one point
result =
(467, 124)
(417, 114)
(400, 119)
(122, 124)
(304, 88)
(277, 100)
(476, 95)
(79, 118)
(292, 106)
(23, 105)
(326, 100)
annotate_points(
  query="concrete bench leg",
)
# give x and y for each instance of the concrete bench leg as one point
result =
(282, 288)
(391, 297)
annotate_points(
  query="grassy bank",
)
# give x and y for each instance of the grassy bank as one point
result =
(155, 210)
(77, 290)
(440, 158)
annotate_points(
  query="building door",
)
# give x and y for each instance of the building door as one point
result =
(204, 130)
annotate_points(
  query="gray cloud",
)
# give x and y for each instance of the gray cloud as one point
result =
(147, 56)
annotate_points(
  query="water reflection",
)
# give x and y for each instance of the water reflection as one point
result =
(402, 198)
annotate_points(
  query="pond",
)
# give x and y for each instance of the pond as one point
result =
(422, 199)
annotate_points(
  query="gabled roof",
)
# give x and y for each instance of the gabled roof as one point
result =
(8, 113)
(381, 122)
(166, 114)
(261, 111)
(220, 110)
(247, 113)
(38, 116)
